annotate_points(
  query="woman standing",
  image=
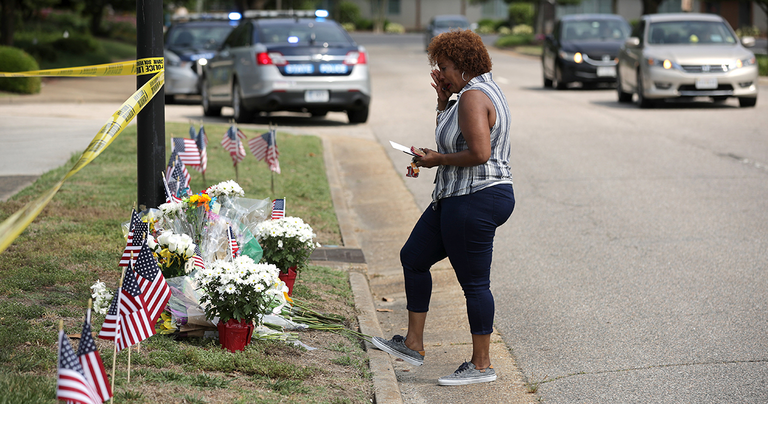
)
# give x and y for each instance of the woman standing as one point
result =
(473, 196)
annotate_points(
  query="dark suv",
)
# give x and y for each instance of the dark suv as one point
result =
(299, 64)
(583, 48)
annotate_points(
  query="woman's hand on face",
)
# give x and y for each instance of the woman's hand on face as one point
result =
(442, 94)
(430, 159)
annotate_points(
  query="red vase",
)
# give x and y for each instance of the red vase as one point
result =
(234, 334)
(289, 279)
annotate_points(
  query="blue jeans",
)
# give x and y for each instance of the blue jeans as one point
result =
(461, 228)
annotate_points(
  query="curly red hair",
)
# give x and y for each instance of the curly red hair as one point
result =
(464, 48)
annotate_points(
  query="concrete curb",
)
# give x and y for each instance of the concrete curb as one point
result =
(386, 388)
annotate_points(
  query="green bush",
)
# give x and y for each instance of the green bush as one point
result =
(347, 12)
(364, 24)
(522, 29)
(521, 13)
(762, 64)
(15, 60)
(514, 40)
(76, 44)
(394, 28)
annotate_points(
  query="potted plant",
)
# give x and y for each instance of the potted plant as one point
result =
(238, 293)
(287, 243)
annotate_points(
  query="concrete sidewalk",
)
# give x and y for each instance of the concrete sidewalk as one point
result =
(376, 213)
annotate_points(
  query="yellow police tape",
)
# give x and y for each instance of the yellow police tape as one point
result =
(12, 227)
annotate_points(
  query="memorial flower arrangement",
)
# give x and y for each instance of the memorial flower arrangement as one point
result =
(102, 297)
(228, 188)
(239, 289)
(287, 242)
(173, 252)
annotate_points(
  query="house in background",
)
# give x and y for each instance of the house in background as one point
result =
(415, 15)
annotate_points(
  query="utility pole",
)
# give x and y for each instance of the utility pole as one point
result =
(150, 122)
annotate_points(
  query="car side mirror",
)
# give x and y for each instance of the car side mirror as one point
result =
(748, 41)
(632, 42)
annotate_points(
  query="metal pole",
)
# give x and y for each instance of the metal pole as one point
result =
(150, 122)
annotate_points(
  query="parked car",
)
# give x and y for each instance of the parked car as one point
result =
(686, 56)
(443, 23)
(288, 64)
(188, 46)
(583, 48)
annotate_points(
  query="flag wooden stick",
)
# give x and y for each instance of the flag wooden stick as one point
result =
(117, 329)
(129, 365)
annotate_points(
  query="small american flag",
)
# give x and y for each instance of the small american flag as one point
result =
(90, 360)
(198, 259)
(137, 233)
(72, 386)
(187, 150)
(170, 197)
(154, 288)
(202, 144)
(110, 327)
(272, 154)
(278, 208)
(177, 174)
(259, 144)
(134, 324)
(233, 142)
(233, 247)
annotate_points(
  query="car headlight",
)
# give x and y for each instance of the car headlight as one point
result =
(740, 63)
(662, 63)
(574, 57)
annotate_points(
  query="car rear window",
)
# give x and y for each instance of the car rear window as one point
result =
(690, 33)
(198, 37)
(595, 30)
(302, 33)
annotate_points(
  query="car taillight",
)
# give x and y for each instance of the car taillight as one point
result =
(355, 58)
(275, 58)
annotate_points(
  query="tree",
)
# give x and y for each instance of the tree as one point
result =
(7, 21)
(651, 6)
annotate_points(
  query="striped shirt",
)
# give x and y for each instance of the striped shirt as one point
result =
(454, 180)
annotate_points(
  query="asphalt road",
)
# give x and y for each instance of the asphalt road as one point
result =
(633, 269)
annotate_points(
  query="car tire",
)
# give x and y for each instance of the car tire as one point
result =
(358, 115)
(208, 109)
(318, 113)
(747, 102)
(624, 97)
(642, 101)
(557, 82)
(242, 114)
(547, 81)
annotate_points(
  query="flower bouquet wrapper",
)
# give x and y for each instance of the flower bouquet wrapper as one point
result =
(184, 305)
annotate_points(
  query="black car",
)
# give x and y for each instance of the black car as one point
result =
(583, 48)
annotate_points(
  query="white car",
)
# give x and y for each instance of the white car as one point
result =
(686, 56)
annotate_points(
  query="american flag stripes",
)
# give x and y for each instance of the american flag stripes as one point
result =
(90, 360)
(202, 144)
(170, 197)
(233, 142)
(72, 386)
(134, 324)
(177, 174)
(109, 328)
(278, 208)
(154, 288)
(259, 144)
(187, 150)
(273, 154)
(137, 233)
(233, 247)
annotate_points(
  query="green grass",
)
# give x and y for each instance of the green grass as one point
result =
(77, 239)
(762, 62)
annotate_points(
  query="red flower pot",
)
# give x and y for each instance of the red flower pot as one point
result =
(234, 334)
(289, 279)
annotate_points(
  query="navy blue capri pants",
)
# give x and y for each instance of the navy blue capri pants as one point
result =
(461, 228)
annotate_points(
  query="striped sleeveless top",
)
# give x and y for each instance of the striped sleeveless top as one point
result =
(454, 180)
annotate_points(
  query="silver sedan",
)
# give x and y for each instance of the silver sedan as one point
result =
(686, 56)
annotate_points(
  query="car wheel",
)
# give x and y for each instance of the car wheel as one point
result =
(358, 115)
(558, 81)
(208, 109)
(624, 97)
(242, 114)
(746, 102)
(642, 101)
(547, 81)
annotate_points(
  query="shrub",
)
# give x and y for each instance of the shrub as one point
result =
(348, 26)
(16, 60)
(762, 64)
(521, 13)
(514, 40)
(485, 29)
(364, 24)
(522, 29)
(76, 44)
(394, 28)
(748, 31)
(347, 12)
(504, 30)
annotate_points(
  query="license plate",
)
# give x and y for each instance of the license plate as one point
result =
(317, 96)
(706, 83)
(330, 68)
(606, 71)
(295, 69)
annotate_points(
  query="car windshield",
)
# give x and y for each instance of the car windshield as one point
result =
(302, 33)
(198, 37)
(594, 30)
(690, 33)
(451, 24)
